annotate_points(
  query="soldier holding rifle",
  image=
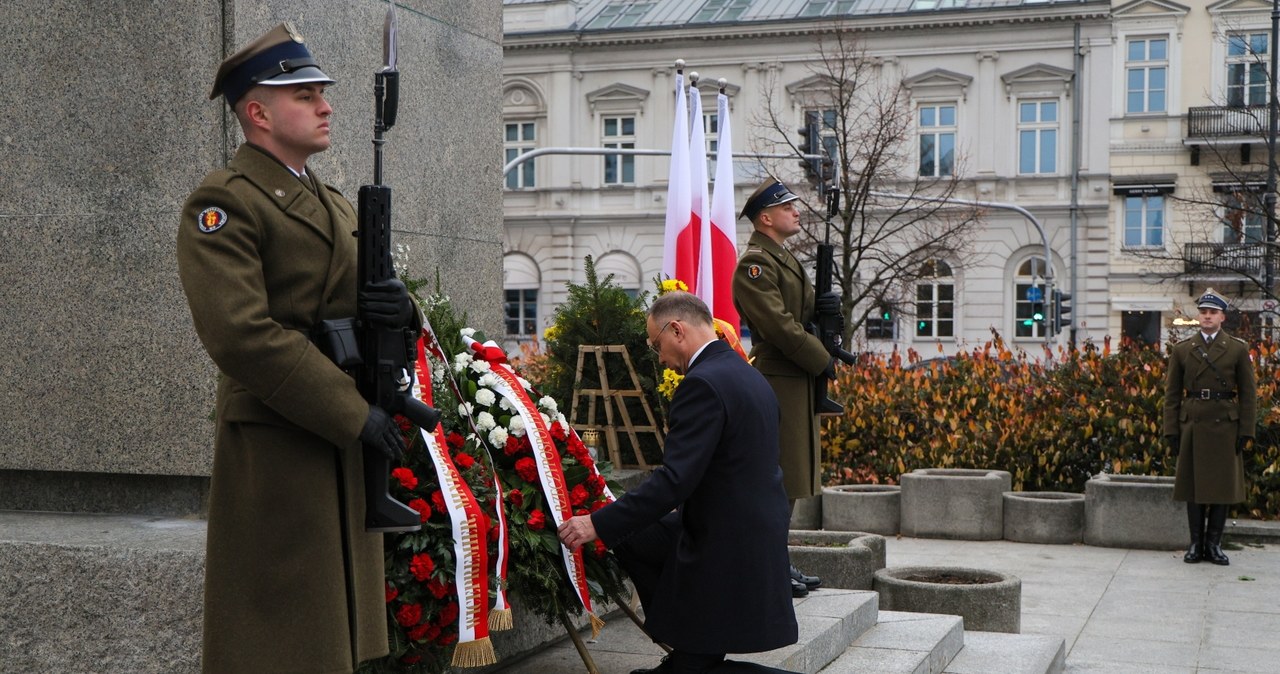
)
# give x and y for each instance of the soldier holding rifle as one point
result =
(293, 580)
(776, 300)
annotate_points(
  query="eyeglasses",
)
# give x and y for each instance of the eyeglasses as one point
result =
(653, 343)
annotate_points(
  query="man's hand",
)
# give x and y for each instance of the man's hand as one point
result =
(386, 303)
(381, 434)
(577, 531)
(830, 370)
(828, 303)
(1172, 442)
(1243, 443)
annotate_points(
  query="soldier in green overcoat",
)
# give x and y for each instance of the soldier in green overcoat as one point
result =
(1210, 409)
(293, 582)
(777, 301)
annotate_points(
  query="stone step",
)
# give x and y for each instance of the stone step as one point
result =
(903, 643)
(1000, 653)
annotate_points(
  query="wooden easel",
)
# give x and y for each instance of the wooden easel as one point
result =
(612, 399)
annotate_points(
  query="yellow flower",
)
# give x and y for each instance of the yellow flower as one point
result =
(672, 284)
(550, 333)
(670, 380)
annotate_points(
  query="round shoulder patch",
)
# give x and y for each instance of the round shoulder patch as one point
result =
(754, 271)
(211, 219)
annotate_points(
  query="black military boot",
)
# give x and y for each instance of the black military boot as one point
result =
(810, 582)
(1213, 535)
(1195, 522)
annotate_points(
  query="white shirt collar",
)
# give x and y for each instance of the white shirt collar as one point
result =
(696, 354)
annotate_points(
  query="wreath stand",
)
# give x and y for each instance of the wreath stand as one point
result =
(610, 399)
(581, 646)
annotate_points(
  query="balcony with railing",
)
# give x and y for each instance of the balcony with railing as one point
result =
(1224, 260)
(1246, 123)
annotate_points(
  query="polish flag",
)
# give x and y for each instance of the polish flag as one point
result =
(700, 199)
(678, 249)
(723, 238)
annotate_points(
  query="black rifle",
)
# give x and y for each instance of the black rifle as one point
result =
(828, 328)
(385, 378)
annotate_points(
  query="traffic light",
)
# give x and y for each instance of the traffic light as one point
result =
(886, 312)
(1037, 314)
(1061, 307)
(811, 143)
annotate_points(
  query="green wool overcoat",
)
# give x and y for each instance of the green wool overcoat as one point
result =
(1209, 470)
(293, 583)
(776, 300)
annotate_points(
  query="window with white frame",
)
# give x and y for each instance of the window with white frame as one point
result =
(1247, 69)
(522, 311)
(1244, 218)
(935, 300)
(721, 10)
(1144, 221)
(1146, 74)
(620, 14)
(520, 138)
(827, 7)
(1037, 137)
(619, 133)
(937, 124)
(1028, 285)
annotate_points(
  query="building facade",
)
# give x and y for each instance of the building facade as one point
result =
(1015, 98)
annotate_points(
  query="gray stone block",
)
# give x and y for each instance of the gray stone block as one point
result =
(874, 508)
(989, 601)
(1043, 517)
(957, 503)
(1134, 511)
(847, 560)
(986, 652)
(918, 643)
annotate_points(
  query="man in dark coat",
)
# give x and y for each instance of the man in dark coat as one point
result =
(1210, 409)
(777, 302)
(293, 583)
(710, 574)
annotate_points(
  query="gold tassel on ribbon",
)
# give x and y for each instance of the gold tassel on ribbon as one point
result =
(500, 619)
(596, 625)
(476, 653)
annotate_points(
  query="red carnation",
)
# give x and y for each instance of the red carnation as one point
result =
(581, 511)
(447, 639)
(437, 588)
(516, 498)
(437, 500)
(463, 461)
(419, 632)
(409, 615)
(537, 520)
(406, 477)
(557, 431)
(595, 485)
(392, 592)
(432, 632)
(513, 446)
(422, 566)
(599, 549)
(424, 510)
(448, 614)
(404, 424)
(578, 495)
(454, 439)
(527, 469)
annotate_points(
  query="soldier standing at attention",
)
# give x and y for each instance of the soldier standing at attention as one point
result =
(1210, 409)
(293, 582)
(776, 300)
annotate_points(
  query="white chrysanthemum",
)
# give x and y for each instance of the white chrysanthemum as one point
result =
(485, 397)
(437, 375)
(546, 420)
(485, 421)
(460, 362)
(480, 366)
(488, 380)
(562, 421)
(468, 332)
(517, 425)
(505, 404)
(547, 403)
(465, 409)
(525, 383)
(497, 437)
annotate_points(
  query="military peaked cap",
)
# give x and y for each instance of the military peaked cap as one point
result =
(277, 58)
(771, 193)
(1212, 300)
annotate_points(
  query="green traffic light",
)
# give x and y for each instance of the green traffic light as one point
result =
(1037, 316)
(1028, 323)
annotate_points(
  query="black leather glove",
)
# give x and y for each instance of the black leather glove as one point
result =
(828, 303)
(1172, 442)
(830, 370)
(1242, 443)
(387, 303)
(381, 433)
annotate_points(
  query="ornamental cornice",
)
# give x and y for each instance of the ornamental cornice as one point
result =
(782, 29)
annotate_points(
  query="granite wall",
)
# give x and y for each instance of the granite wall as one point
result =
(107, 393)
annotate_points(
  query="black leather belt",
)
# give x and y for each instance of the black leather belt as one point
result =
(1206, 394)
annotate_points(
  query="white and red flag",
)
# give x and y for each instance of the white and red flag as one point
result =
(700, 199)
(678, 250)
(723, 248)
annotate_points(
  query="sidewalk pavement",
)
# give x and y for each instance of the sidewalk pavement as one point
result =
(1119, 611)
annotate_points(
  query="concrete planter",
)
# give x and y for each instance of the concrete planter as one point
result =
(1055, 517)
(960, 503)
(987, 601)
(845, 560)
(1134, 511)
(875, 508)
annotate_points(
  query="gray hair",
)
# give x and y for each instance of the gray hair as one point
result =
(681, 306)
